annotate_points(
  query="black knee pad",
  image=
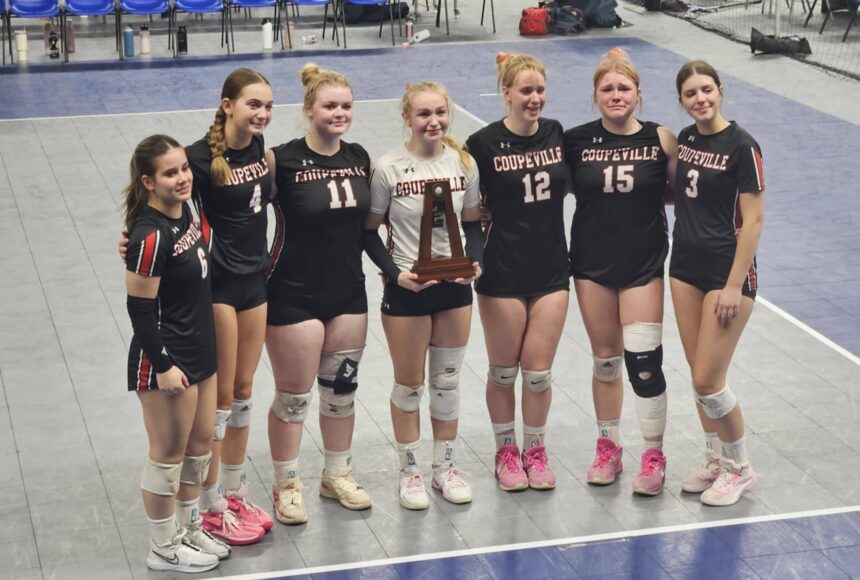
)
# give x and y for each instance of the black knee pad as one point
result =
(649, 364)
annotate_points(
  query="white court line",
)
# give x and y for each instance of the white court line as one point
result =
(774, 308)
(577, 540)
(185, 111)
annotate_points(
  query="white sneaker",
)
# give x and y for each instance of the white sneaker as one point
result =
(179, 556)
(733, 481)
(200, 538)
(413, 496)
(705, 475)
(454, 488)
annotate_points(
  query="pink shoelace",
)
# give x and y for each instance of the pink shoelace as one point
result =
(509, 459)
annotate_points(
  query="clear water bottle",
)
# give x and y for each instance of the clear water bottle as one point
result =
(267, 34)
(21, 45)
(145, 40)
(70, 36)
(288, 35)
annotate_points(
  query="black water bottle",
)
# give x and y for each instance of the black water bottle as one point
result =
(53, 45)
(182, 40)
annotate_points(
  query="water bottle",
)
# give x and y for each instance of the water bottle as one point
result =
(21, 45)
(54, 42)
(145, 40)
(47, 29)
(421, 36)
(182, 40)
(310, 39)
(128, 41)
(267, 34)
(70, 36)
(288, 35)
(409, 27)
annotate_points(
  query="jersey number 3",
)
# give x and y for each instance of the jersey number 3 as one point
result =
(333, 191)
(537, 187)
(693, 189)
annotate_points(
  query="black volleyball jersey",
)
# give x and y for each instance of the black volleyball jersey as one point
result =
(237, 211)
(618, 236)
(320, 210)
(176, 251)
(523, 185)
(712, 171)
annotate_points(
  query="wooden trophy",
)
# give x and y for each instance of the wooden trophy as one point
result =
(438, 206)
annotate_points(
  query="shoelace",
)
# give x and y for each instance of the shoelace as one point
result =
(654, 461)
(604, 455)
(231, 523)
(509, 459)
(414, 482)
(537, 460)
(453, 476)
(712, 461)
(246, 504)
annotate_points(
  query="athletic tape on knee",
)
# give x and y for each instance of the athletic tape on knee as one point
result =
(221, 419)
(240, 415)
(291, 407)
(719, 404)
(643, 356)
(339, 370)
(194, 469)
(651, 412)
(444, 366)
(503, 376)
(336, 405)
(537, 381)
(407, 399)
(607, 370)
(160, 478)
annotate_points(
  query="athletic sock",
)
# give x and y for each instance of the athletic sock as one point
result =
(286, 469)
(610, 429)
(232, 477)
(188, 513)
(163, 531)
(406, 454)
(443, 454)
(736, 451)
(504, 434)
(210, 495)
(336, 462)
(713, 443)
(533, 436)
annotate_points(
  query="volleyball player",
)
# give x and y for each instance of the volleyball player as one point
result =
(171, 361)
(619, 170)
(524, 292)
(719, 210)
(317, 317)
(426, 324)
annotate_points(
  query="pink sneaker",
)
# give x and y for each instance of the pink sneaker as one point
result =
(607, 463)
(733, 481)
(509, 469)
(539, 472)
(705, 476)
(247, 511)
(225, 526)
(652, 473)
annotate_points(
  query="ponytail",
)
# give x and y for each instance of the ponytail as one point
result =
(143, 162)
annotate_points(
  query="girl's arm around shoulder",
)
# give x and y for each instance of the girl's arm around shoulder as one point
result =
(270, 161)
(670, 147)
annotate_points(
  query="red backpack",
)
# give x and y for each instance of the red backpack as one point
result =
(534, 22)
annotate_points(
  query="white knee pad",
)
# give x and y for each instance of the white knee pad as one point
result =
(651, 412)
(194, 469)
(444, 366)
(291, 407)
(407, 399)
(221, 419)
(336, 405)
(240, 415)
(160, 478)
(607, 369)
(503, 376)
(719, 404)
(537, 381)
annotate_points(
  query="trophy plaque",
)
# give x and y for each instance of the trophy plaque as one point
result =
(439, 211)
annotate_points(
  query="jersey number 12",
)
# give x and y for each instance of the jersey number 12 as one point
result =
(536, 186)
(336, 202)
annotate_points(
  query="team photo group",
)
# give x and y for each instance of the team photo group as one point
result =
(207, 290)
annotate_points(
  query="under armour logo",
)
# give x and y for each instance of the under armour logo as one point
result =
(306, 162)
(409, 169)
(597, 139)
(505, 145)
(691, 138)
(174, 229)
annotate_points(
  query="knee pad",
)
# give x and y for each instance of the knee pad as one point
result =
(607, 370)
(291, 407)
(194, 469)
(240, 415)
(336, 405)
(444, 366)
(503, 376)
(719, 404)
(338, 380)
(537, 381)
(643, 356)
(221, 420)
(407, 399)
(651, 412)
(160, 478)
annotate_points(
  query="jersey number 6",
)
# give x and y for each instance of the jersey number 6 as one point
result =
(204, 265)
(540, 187)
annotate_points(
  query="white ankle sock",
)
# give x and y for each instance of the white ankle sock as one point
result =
(286, 469)
(736, 451)
(443, 454)
(336, 461)
(610, 429)
(406, 453)
(163, 531)
(188, 513)
(713, 443)
(232, 477)
(504, 434)
(533, 436)
(210, 495)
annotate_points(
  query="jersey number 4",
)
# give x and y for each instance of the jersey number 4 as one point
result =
(334, 192)
(536, 186)
(257, 199)
(620, 182)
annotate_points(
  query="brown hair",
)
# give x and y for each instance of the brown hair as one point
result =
(216, 138)
(315, 78)
(433, 87)
(696, 67)
(143, 162)
(511, 65)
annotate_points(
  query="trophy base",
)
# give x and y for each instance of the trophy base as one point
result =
(443, 269)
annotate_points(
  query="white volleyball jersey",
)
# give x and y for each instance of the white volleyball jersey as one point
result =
(397, 188)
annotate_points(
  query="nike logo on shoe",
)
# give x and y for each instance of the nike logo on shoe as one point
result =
(174, 560)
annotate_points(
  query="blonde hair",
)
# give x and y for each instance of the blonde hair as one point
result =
(216, 138)
(315, 78)
(510, 65)
(616, 60)
(143, 162)
(434, 87)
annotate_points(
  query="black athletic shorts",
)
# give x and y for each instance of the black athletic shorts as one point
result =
(706, 281)
(198, 364)
(291, 309)
(398, 301)
(241, 291)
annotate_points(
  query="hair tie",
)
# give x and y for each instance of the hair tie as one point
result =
(408, 86)
(501, 58)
